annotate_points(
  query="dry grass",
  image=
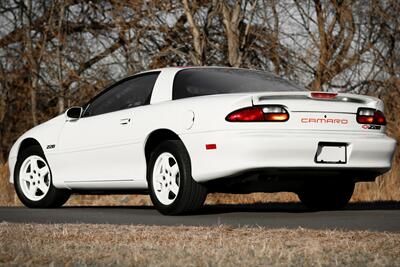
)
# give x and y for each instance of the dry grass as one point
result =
(73, 245)
(7, 196)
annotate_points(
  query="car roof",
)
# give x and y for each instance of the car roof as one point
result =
(194, 67)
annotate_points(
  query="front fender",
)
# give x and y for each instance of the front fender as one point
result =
(45, 134)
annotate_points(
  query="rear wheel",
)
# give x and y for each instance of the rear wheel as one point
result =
(33, 181)
(327, 195)
(172, 188)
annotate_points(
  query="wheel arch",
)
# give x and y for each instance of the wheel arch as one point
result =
(157, 137)
(22, 144)
(28, 142)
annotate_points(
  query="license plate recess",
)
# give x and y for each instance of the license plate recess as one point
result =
(331, 153)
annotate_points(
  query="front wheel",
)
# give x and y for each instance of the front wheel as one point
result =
(328, 195)
(33, 181)
(172, 188)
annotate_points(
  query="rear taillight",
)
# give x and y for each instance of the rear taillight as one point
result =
(271, 113)
(246, 114)
(370, 116)
(323, 95)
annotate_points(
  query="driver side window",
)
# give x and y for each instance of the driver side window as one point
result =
(128, 93)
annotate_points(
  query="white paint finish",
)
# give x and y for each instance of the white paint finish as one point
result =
(188, 119)
(253, 149)
(11, 166)
(162, 90)
(313, 104)
(101, 153)
(96, 148)
(45, 134)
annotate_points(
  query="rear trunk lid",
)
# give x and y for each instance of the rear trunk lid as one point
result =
(319, 111)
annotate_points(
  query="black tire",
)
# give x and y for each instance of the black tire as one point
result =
(329, 195)
(191, 195)
(53, 198)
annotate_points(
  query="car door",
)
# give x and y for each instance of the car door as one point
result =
(104, 146)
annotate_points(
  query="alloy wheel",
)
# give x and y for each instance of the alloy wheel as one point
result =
(166, 178)
(34, 178)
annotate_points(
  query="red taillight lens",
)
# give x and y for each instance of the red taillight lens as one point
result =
(259, 114)
(246, 114)
(365, 119)
(379, 118)
(323, 95)
(370, 116)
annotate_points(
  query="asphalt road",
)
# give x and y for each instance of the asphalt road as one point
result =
(383, 216)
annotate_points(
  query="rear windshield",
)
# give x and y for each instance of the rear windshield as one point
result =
(211, 81)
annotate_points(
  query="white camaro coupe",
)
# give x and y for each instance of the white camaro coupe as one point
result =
(179, 133)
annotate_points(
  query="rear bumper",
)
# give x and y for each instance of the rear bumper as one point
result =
(242, 151)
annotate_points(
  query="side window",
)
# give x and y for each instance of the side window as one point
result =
(129, 93)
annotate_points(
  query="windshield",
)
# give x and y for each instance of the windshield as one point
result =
(210, 81)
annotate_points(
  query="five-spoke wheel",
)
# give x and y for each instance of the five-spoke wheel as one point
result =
(33, 181)
(34, 178)
(172, 188)
(166, 178)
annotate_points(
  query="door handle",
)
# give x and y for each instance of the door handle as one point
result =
(125, 121)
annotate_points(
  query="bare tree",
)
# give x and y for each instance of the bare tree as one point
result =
(54, 53)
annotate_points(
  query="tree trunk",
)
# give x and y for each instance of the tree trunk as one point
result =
(231, 18)
(33, 89)
(60, 61)
(198, 40)
(33, 65)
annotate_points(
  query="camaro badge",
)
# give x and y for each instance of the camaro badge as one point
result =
(324, 120)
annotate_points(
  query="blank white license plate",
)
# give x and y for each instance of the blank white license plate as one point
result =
(331, 154)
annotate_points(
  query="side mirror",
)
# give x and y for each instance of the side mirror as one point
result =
(74, 113)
